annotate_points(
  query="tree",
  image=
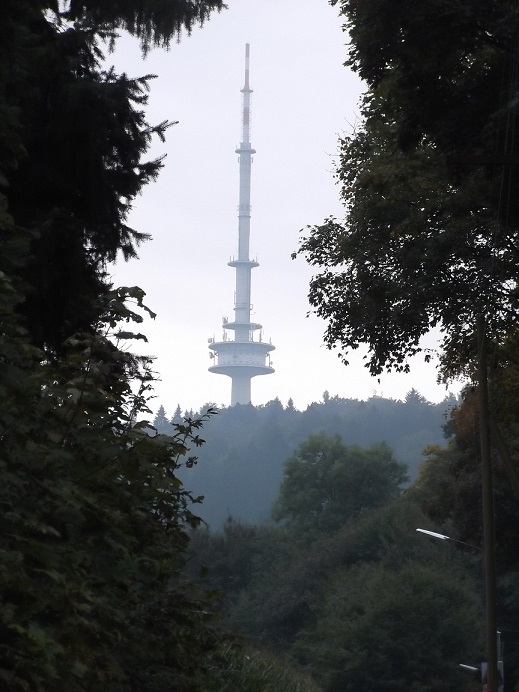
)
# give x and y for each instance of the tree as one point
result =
(161, 422)
(72, 140)
(274, 586)
(274, 408)
(377, 628)
(327, 483)
(241, 466)
(94, 522)
(448, 490)
(414, 398)
(177, 416)
(94, 519)
(427, 178)
(449, 485)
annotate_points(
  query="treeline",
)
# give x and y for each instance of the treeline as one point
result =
(343, 584)
(241, 466)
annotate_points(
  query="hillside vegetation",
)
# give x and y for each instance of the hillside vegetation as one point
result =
(344, 586)
(241, 466)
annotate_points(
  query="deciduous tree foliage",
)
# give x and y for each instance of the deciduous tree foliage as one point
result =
(449, 485)
(327, 483)
(391, 629)
(448, 490)
(241, 466)
(429, 180)
(370, 606)
(94, 521)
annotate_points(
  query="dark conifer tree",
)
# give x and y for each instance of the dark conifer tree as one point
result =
(94, 522)
(177, 416)
(73, 137)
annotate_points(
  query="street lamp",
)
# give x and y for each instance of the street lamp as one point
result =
(443, 537)
(484, 669)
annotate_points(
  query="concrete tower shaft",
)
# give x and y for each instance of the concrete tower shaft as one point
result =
(245, 152)
(243, 357)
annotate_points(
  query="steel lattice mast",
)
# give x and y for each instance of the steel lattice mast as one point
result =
(242, 357)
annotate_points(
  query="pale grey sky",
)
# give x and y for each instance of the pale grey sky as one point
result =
(303, 99)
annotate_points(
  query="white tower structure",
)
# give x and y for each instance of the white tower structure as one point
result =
(243, 355)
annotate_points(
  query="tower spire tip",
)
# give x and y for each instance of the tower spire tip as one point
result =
(247, 53)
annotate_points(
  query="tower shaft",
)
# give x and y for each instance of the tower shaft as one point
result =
(242, 308)
(243, 357)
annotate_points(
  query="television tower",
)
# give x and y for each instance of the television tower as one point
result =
(242, 357)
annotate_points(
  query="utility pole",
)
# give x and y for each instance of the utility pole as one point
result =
(488, 512)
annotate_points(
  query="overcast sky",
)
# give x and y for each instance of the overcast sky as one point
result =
(303, 99)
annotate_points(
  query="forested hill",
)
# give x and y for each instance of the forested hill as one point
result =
(240, 467)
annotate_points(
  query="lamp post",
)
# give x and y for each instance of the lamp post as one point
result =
(493, 668)
(488, 511)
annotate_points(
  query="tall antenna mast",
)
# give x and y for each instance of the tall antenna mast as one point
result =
(242, 357)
